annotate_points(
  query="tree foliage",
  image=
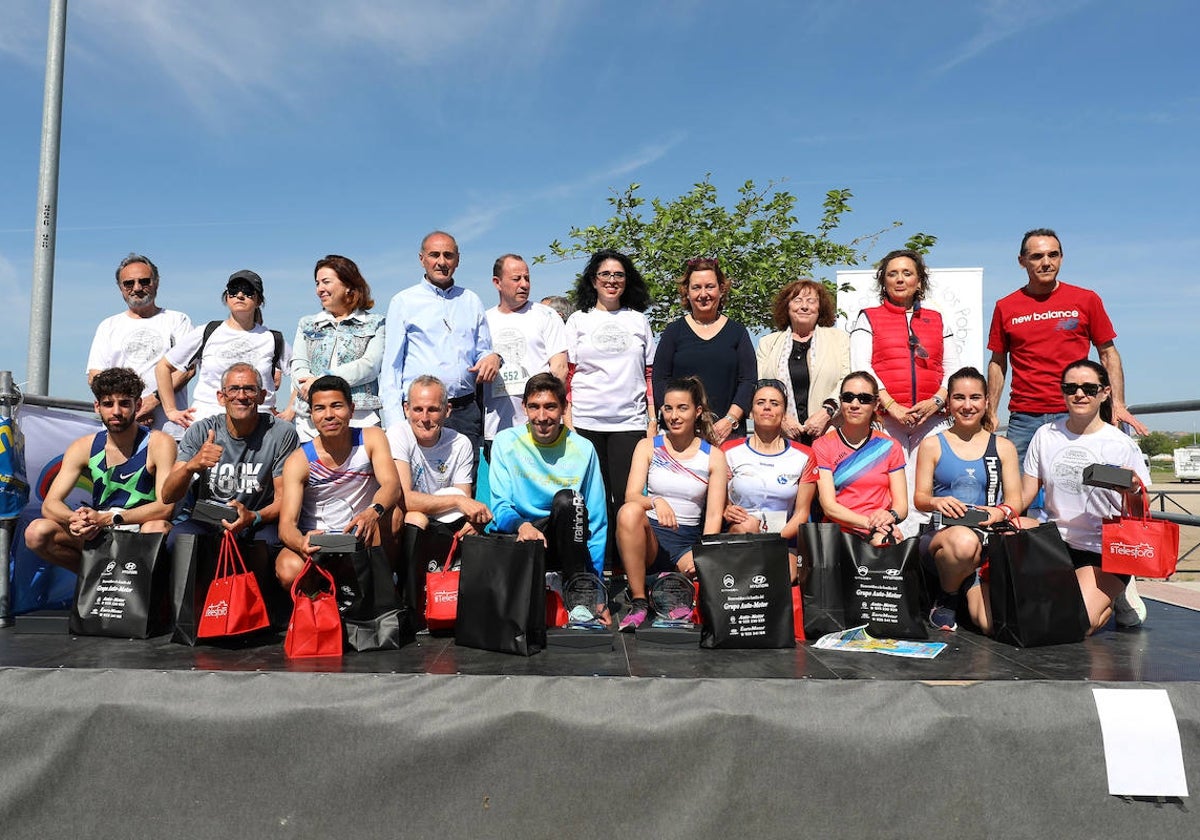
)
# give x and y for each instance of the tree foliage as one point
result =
(757, 240)
(1158, 443)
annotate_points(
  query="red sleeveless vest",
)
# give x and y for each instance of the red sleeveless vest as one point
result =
(909, 375)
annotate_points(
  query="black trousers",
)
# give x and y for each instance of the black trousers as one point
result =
(566, 530)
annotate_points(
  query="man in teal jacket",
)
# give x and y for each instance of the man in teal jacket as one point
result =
(546, 483)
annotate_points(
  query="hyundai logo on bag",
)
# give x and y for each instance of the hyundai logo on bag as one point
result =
(728, 581)
(131, 567)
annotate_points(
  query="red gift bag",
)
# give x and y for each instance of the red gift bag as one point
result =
(234, 604)
(798, 612)
(441, 594)
(1132, 545)
(316, 625)
(556, 610)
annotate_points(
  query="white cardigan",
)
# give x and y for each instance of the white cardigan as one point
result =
(828, 364)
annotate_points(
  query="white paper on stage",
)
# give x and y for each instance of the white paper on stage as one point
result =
(1141, 742)
(957, 293)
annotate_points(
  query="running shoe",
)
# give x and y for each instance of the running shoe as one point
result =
(679, 613)
(1129, 607)
(943, 617)
(639, 611)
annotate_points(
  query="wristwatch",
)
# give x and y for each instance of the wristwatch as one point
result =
(939, 402)
(378, 508)
(117, 518)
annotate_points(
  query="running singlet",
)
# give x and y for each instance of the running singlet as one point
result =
(762, 482)
(332, 497)
(126, 485)
(971, 482)
(860, 476)
(684, 484)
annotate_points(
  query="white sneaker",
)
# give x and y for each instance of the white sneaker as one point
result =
(1129, 607)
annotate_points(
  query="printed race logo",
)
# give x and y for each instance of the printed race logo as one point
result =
(217, 610)
(1134, 550)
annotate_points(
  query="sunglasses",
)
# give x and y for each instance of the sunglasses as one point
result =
(1090, 389)
(771, 383)
(863, 399)
(138, 281)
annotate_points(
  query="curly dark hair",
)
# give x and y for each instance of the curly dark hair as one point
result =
(119, 382)
(636, 295)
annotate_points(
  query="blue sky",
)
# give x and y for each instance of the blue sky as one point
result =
(220, 135)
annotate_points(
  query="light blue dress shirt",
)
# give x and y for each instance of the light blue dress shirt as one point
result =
(441, 332)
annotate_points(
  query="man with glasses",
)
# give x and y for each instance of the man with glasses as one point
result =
(1039, 328)
(438, 328)
(235, 459)
(138, 337)
(529, 337)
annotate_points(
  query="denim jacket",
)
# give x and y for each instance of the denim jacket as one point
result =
(351, 349)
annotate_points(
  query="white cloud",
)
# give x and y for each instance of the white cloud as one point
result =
(482, 214)
(221, 54)
(1003, 19)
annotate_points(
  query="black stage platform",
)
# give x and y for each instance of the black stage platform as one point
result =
(113, 738)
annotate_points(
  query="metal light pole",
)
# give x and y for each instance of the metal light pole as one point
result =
(41, 306)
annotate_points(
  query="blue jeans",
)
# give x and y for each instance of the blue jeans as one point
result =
(1022, 425)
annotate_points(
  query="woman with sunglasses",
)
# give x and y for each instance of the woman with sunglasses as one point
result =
(860, 470)
(911, 352)
(965, 470)
(808, 355)
(1055, 461)
(772, 480)
(344, 339)
(609, 350)
(215, 346)
(675, 494)
(707, 344)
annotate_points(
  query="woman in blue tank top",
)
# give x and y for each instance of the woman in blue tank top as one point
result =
(965, 472)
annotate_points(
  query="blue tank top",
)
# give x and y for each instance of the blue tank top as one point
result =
(971, 482)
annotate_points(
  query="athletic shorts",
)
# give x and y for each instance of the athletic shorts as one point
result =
(673, 543)
(1081, 557)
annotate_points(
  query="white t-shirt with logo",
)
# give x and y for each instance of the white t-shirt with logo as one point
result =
(445, 464)
(225, 347)
(610, 351)
(525, 340)
(1058, 457)
(138, 344)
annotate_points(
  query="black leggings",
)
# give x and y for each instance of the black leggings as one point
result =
(615, 451)
(566, 530)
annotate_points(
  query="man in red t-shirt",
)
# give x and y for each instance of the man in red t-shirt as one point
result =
(1042, 327)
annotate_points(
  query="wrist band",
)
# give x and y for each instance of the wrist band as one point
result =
(1008, 512)
(257, 519)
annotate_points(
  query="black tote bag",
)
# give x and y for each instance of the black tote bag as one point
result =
(365, 588)
(502, 595)
(123, 587)
(193, 566)
(1032, 589)
(745, 591)
(820, 550)
(882, 588)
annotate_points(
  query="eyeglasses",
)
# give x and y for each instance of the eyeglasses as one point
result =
(611, 275)
(248, 390)
(864, 399)
(138, 281)
(1090, 389)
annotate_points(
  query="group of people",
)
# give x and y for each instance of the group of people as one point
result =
(609, 445)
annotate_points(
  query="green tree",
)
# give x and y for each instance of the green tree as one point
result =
(1157, 443)
(757, 240)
